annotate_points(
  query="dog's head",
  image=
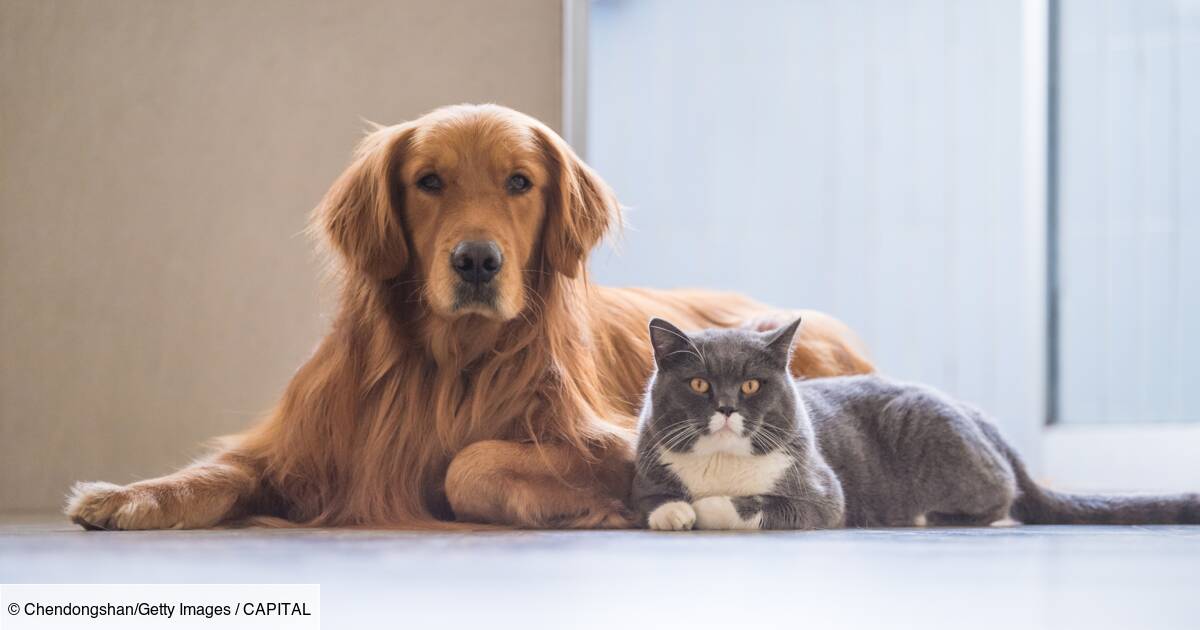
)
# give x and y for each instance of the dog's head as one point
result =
(469, 201)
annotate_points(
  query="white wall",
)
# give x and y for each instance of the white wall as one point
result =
(158, 161)
(880, 160)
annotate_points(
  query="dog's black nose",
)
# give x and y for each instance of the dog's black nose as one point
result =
(476, 262)
(728, 411)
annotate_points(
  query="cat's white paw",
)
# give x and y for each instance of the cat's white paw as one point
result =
(672, 516)
(720, 513)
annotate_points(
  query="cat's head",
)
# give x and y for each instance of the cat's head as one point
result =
(722, 390)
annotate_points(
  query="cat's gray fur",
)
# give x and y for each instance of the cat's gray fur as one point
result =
(862, 451)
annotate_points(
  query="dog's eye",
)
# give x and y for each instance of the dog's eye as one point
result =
(518, 184)
(430, 183)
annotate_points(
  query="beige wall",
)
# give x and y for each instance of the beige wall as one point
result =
(157, 163)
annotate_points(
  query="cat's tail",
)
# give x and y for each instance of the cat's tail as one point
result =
(1037, 505)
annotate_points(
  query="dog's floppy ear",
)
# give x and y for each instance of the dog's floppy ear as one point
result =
(580, 207)
(361, 213)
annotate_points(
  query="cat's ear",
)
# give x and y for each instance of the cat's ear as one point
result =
(667, 340)
(780, 341)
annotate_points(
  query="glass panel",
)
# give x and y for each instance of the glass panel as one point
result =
(865, 158)
(1129, 211)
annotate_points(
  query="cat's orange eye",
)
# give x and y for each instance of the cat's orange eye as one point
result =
(699, 385)
(751, 386)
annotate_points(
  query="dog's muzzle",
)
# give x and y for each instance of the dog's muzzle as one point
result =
(476, 263)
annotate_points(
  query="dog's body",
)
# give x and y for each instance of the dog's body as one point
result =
(472, 371)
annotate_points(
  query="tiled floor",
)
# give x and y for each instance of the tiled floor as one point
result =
(1014, 578)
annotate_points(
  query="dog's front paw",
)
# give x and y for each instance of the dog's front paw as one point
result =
(100, 505)
(604, 514)
(672, 516)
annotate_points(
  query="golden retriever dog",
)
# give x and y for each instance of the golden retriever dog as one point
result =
(472, 374)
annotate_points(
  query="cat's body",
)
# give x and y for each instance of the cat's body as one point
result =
(718, 452)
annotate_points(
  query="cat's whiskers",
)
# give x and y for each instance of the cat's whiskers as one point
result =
(682, 435)
(669, 433)
(673, 435)
(676, 438)
(785, 443)
(775, 438)
(768, 440)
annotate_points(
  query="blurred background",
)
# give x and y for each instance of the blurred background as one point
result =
(1000, 196)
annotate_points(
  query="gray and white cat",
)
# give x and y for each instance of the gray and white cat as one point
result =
(728, 440)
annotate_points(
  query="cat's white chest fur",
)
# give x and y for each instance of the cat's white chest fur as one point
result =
(726, 474)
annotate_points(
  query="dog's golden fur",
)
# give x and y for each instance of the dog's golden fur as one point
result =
(417, 408)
